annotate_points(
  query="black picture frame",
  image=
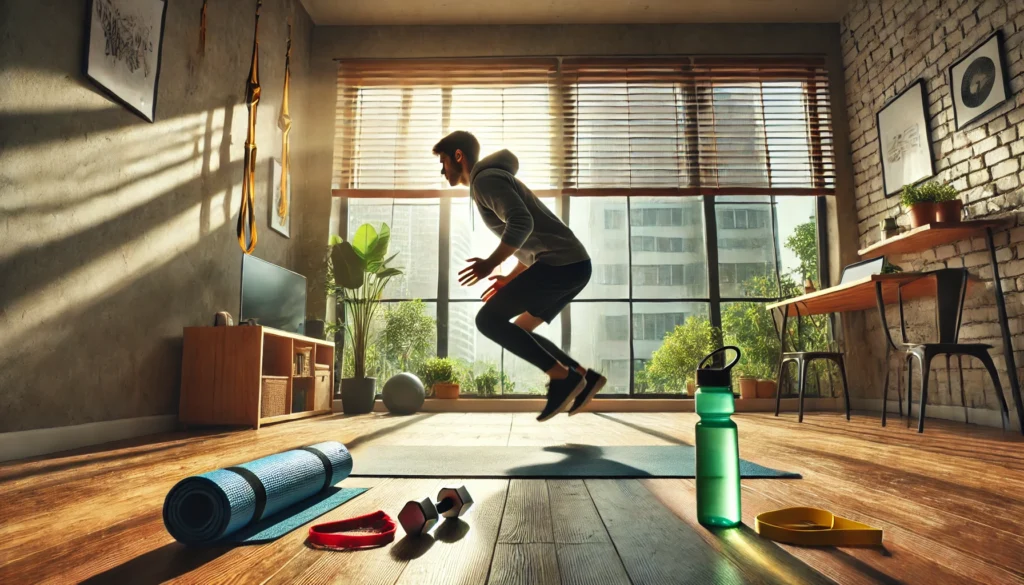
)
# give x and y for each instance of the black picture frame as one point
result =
(1000, 67)
(899, 99)
(149, 116)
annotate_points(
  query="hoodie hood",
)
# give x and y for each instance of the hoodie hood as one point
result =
(503, 159)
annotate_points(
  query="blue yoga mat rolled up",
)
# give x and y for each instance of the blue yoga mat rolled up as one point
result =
(263, 498)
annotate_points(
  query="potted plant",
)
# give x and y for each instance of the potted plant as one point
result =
(488, 382)
(691, 388)
(748, 387)
(948, 206)
(765, 388)
(921, 203)
(441, 375)
(357, 272)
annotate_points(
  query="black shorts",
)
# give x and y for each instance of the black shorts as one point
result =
(543, 290)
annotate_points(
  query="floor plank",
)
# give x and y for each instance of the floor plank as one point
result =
(527, 516)
(524, 564)
(593, 563)
(574, 517)
(655, 546)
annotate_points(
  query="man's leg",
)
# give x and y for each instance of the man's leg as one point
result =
(529, 322)
(494, 321)
(593, 380)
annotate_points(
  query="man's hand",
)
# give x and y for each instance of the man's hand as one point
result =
(499, 282)
(476, 271)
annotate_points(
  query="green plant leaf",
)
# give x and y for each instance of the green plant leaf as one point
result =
(389, 273)
(348, 266)
(334, 240)
(379, 249)
(364, 240)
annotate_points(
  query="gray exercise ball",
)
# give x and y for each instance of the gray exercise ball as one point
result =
(403, 394)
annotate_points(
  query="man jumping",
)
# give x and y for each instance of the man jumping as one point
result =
(553, 268)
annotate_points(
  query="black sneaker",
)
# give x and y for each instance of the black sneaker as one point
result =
(594, 383)
(560, 393)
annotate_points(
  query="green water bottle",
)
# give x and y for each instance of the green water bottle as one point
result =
(718, 453)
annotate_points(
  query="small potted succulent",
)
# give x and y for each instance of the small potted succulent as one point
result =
(948, 206)
(441, 375)
(921, 204)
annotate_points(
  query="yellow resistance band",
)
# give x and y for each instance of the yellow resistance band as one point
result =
(815, 527)
(247, 214)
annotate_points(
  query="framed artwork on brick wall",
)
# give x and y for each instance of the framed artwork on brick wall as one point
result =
(978, 81)
(904, 142)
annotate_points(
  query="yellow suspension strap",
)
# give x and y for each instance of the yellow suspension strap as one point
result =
(252, 93)
(285, 122)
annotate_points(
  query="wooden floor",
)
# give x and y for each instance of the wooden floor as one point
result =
(951, 503)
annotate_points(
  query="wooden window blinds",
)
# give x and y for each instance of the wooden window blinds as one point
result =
(591, 126)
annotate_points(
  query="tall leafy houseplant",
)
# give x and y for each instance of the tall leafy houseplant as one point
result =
(357, 272)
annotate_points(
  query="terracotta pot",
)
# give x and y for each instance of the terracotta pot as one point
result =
(922, 214)
(766, 388)
(949, 211)
(748, 388)
(446, 391)
(808, 286)
(690, 388)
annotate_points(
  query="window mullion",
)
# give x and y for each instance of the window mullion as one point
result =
(444, 241)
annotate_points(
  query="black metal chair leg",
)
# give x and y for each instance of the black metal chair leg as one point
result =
(926, 360)
(991, 367)
(899, 388)
(910, 388)
(846, 388)
(885, 386)
(800, 388)
(963, 397)
(780, 386)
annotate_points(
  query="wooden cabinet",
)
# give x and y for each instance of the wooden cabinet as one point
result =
(224, 372)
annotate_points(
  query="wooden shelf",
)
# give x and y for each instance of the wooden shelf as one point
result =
(293, 416)
(860, 294)
(929, 236)
(223, 369)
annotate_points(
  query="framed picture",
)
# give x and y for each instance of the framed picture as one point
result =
(903, 140)
(280, 215)
(978, 81)
(123, 51)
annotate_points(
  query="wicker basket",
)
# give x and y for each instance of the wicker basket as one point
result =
(307, 358)
(274, 398)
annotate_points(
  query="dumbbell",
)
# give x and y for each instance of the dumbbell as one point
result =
(419, 516)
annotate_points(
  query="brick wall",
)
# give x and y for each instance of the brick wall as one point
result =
(887, 45)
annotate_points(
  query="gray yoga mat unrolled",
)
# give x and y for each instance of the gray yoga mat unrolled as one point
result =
(567, 461)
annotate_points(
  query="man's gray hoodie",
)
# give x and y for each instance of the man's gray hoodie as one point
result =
(518, 217)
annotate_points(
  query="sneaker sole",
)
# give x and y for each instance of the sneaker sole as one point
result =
(572, 396)
(597, 388)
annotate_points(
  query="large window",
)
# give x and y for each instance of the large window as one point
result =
(692, 182)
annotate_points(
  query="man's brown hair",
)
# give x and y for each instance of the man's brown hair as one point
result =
(459, 140)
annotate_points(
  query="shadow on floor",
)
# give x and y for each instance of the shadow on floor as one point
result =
(388, 430)
(160, 565)
(580, 461)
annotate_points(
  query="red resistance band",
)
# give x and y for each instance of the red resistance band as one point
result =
(372, 530)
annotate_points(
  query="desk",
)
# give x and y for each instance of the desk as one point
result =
(860, 295)
(937, 234)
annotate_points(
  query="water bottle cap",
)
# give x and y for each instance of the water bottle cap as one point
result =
(720, 377)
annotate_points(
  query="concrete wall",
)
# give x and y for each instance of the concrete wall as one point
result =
(887, 45)
(116, 232)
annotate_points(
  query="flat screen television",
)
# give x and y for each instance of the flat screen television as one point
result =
(274, 296)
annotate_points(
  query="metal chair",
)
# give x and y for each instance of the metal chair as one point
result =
(951, 290)
(802, 359)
